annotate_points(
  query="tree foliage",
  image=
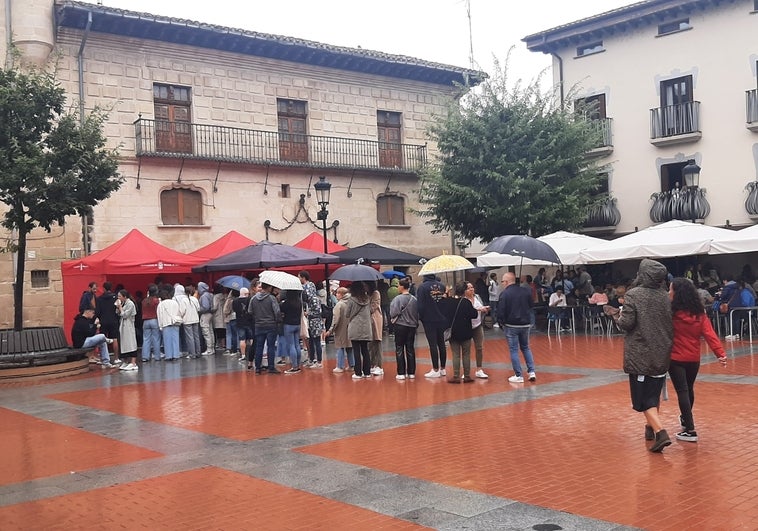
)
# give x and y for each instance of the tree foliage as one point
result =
(512, 161)
(53, 163)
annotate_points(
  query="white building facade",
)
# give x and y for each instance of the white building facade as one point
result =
(668, 82)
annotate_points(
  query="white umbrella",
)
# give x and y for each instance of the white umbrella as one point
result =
(740, 241)
(670, 239)
(281, 280)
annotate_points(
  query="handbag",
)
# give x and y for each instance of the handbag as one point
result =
(724, 307)
(449, 331)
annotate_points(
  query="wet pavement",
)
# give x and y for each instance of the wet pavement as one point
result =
(204, 443)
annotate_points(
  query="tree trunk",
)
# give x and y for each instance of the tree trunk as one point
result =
(18, 286)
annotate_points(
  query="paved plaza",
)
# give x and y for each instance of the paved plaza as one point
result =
(205, 444)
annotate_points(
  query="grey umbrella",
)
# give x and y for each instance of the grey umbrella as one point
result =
(355, 273)
(524, 247)
(263, 255)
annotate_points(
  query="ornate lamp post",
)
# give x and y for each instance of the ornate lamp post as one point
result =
(691, 176)
(323, 189)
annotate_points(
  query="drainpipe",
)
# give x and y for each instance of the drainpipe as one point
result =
(8, 35)
(80, 65)
(560, 75)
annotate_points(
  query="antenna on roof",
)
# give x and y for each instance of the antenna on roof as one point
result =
(470, 35)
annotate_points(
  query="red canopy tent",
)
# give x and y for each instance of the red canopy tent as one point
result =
(134, 261)
(228, 243)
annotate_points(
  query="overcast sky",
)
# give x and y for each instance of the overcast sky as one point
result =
(435, 30)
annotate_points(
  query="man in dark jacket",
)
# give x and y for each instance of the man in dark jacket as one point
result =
(514, 315)
(429, 293)
(266, 314)
(85, 333)
(646, 318)
(105, 311)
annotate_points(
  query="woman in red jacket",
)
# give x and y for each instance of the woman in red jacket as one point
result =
(690, 324)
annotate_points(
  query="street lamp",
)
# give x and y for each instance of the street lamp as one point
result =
(691, 176)
(323, 188)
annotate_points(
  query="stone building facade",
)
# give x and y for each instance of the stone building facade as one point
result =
(222, 129)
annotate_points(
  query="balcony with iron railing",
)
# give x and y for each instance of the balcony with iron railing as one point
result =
(685, 204)
(157, 138)
(751, 109)
(675, 124)
(604, 128)
(602, 217)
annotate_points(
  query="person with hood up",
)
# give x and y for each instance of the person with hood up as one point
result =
(690, 324)
(359, 328)
(646, 319)
(392, 292)
(428, 295)
(264, 308)
(206, 318)
(188, 311)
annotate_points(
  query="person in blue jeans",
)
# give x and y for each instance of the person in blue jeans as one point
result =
(264, 307)
(514, 314)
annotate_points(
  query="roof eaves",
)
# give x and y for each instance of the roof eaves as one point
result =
(70, 14)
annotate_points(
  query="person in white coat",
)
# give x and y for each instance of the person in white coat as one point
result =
(127, 311)
(188, 311)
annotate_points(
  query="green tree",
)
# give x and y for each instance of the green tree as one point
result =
(512, 161)
(53, 163)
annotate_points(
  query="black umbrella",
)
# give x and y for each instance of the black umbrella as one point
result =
(263, 255)
(523, 246)
(371, 252)
(355, 273)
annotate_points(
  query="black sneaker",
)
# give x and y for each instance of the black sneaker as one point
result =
(687, 435)
(649, 433)
(293, 370)
(662, 440)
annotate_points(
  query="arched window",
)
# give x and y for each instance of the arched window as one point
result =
(390, 209)
(181, 206)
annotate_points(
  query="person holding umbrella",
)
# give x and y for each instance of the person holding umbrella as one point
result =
(266, 315)
(429, 293)
(514, 315)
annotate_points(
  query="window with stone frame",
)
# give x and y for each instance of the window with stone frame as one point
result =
(293, 135)
(389, 136)
(390, 209)
(181, 206)
(173, 118)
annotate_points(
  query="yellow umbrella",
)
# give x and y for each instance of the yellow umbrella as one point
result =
(445, 263)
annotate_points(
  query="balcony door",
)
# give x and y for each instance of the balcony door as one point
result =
(388, 128)
(293, 136)
(173, 117)
(676, 106)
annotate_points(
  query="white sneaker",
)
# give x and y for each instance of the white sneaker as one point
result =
(400, 377)
(734, 337)
(316, 365)
(516, 379)
(129, 367)
(337, 370)
(532, 377)
(411, 376)
(495, 325)
(208, 353)
(481, 374)
(443, 372)
(432, 374)
(356, 377)
(116, 362)
(377, 371)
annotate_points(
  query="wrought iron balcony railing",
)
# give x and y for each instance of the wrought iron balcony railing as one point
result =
(673, 120)
(682, 204)
(603, 214)
(605, 129)
(157, 138)
(751, 106)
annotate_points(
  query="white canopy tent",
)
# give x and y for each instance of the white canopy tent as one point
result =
(667, 240)
(566, 244)
(739, 241)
